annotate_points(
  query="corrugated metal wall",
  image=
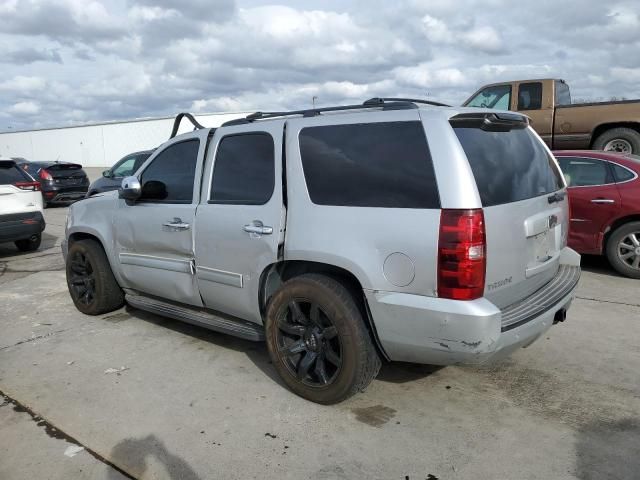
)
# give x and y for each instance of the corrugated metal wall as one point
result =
(98, 145)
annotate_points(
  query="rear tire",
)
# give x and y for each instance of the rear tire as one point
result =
(623, 252)
(318, 340)
(619, 139)
(91, 283)
(30, 244)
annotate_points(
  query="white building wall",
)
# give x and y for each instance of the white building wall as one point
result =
(99, 145)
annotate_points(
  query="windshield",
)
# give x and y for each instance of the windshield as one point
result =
(497, 96)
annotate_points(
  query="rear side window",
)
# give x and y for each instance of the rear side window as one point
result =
(563, 94)
(12, 174)
(244, 170)
(585, 172)
(369, 165)
(621, 173)
(530, 96)
(509, 166)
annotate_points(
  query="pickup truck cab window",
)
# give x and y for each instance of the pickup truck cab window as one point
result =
(563, 94)
(496, 96)
(170, 176)
(530, 96)
(244, 170)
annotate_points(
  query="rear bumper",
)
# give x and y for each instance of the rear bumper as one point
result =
(16, 226)
(414, 328)
(55, 194)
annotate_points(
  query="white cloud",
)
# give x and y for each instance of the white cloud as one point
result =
(25, 108)
(22, 84)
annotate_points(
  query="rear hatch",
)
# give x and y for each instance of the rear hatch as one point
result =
(18, 192)
(524, 200)
(67, 174)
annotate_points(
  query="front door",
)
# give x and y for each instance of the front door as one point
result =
(594, 200)
(240, 219)
(154, 235)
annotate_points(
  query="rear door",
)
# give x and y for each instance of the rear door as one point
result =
(154, 235)
(526, 221)
(67, 174)
(594, 199)
(240, 220)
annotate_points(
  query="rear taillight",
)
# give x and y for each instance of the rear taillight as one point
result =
(461, 254)
(45, 175)
(33, 186)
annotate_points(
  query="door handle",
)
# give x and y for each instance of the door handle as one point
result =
(177, 224)
(603, 200)
(257, 228)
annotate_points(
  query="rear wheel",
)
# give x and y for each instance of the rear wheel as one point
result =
(318, 341)
(623, 249)
(29, 244)
(621, 139)
(91, 283)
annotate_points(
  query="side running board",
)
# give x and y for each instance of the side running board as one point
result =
(223, 324)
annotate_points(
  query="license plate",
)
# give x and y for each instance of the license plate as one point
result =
(543, 246)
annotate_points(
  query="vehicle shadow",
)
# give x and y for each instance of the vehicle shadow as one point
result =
(8, 249)
(402, 372)
(255, 351)
(133, 454)
(597, 264)
(607, 449)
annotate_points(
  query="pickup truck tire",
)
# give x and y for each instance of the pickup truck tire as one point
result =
(91, 283)
(30, 244)
(619, 139)
(621, 244)
(318, 340)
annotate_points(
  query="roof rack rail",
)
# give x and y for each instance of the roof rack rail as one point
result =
(381, 101)
(179, 117)
(400, 104)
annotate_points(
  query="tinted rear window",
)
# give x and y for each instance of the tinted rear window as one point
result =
(509, 166)
(369, 165)
(11, 175)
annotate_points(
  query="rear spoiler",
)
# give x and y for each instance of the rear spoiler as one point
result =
(490, 122)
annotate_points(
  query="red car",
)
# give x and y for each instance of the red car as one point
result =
(604, 195)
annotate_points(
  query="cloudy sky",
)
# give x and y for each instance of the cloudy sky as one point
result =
(74, 61)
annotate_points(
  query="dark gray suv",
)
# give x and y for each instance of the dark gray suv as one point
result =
(112, 177)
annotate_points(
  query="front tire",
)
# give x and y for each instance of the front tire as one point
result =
(621, 139)
(623, 249)
(91, 283)
(318, 340)
(30, 244)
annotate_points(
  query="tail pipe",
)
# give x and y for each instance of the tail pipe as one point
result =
(560, 316)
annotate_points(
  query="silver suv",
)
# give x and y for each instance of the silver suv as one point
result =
(342, 236)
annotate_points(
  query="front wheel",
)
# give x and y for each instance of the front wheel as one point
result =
(318, 341)
(91, 283)
(623, 249)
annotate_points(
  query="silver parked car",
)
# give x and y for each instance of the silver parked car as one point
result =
(396, 230)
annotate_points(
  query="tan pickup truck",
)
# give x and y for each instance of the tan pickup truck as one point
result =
(613, 126)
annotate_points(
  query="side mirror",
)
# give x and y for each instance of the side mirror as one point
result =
(130, 189)
(106, 173)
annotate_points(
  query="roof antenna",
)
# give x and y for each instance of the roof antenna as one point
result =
(313, 101)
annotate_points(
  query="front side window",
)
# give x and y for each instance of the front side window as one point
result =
(244, 170)
(530, 96)
(497, 96)
(169, 178)
(125, 168)
(585, 172)
(369, 165)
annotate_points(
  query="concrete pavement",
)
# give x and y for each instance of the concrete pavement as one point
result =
(193, 404)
